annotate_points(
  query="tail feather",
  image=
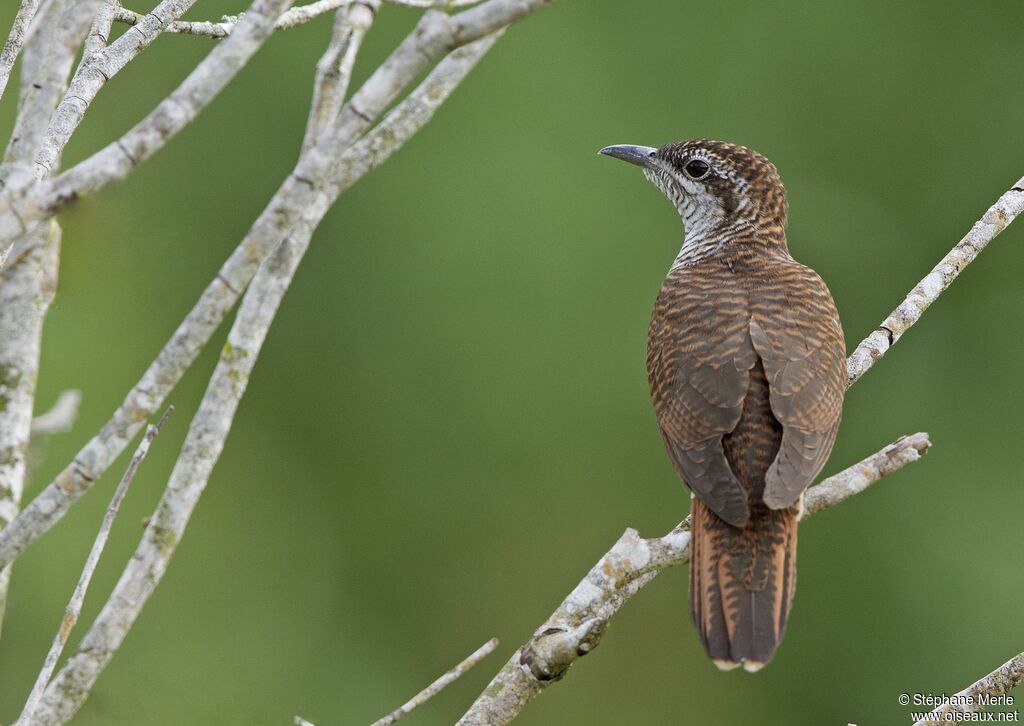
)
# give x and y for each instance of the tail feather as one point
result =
(742, 583)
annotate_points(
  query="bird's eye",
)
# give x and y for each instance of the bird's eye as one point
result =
(697, 168)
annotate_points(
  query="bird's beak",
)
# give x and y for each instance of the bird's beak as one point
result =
(639, 155)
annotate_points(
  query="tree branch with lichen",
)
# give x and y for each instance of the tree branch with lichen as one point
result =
(321, 173)
(333, 159)
(439, 685)
(212, 423)
(74, 607)
(576, 626)
(983, 692)
(995, 220)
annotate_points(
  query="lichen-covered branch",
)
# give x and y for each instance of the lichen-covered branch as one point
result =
(203, 84)
(289, 19)
(99, 33)
(326, 163)
(980, 694)
(98, 66)
(334, 70)
(26, 291)
(577, 625)
(294, 17)
(15, 40)
(435, 35)
(859, 477)
(29, 279)
(994, 221)
(148, 395)
(200, 451)
(402, 122)
(440, 684)
(74, 608)
(211, 424)
(46, 65)
(439, 4)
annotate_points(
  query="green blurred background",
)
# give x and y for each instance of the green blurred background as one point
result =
(449, 423)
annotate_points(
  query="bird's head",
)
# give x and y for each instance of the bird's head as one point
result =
(717, 187)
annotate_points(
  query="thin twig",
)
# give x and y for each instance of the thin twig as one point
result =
(440, 684)
(100, 63)
(994, 221)
(289, 19)
(576, 627)
(183, 104)
(857, 478)
(15, 41)
(61, 416)
(435, 35)
(983, 692)
(46, 65)
(334, 70)
(74, 608)
(437, 4)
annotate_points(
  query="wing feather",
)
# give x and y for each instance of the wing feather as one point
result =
(803, 354)
(698, 362)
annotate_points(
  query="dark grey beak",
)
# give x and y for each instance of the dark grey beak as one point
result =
(639, 155)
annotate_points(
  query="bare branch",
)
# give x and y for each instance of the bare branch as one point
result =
(984, 692)
(434, 35)
(402, 122)
(440, 684)
(29, 281)
(577, 625)
(299, 195)
(334, 70)
(149, 394)
(203, 445)
(490, 17)
(995, 220)
(304, 13)
(99, 33)
(48, 59)
(27, 288)
(859, 477)
(202, 85)
(61, 417)
(74, 608)
(98, 67)
(15, 41)
(438, 4)
(211, 424)
(289, 19)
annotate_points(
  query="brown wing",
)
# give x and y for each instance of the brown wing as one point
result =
(796, 332)
(699, 354)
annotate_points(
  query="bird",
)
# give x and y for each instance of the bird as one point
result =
(746, 365)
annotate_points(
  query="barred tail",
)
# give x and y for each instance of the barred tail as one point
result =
(742, 583)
